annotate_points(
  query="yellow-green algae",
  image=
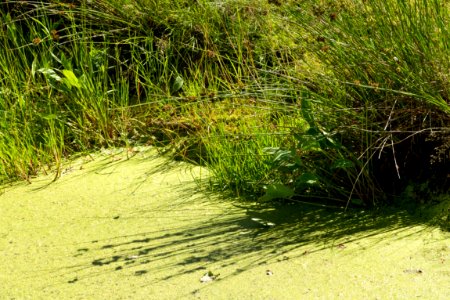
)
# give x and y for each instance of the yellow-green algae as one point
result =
(143, 228)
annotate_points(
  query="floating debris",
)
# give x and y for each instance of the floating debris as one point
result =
(413, 271)
(73, 280)
(341, 246)
(140, 272)
(208, 277)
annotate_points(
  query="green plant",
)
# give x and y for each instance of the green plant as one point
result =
(384, 86)
(314, 100)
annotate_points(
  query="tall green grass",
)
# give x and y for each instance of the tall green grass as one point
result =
(384, 89)
(81, 75)
(318, 100)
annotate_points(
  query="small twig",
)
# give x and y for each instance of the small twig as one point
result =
(395, 160)
(382, 146)
(390, 115)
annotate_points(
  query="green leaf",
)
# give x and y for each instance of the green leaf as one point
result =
(33, 67)
(277, 191)
(49, 72)
(177, 84)
(71, 79)
(49, 117)
(282, 157)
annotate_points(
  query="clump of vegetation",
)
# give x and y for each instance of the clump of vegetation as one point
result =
(387, 81)
(332, 101)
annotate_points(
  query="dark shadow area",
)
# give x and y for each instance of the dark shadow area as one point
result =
(241, 238)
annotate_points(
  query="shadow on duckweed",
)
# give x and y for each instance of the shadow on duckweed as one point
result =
(240, 239)
(192, 231)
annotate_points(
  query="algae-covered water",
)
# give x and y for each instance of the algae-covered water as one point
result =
(139, 226)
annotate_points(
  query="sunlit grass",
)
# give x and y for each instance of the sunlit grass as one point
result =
(232, 84)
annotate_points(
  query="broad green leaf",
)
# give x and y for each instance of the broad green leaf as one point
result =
(71, 79)
(277, 191)
(49, 72)
(177, 84)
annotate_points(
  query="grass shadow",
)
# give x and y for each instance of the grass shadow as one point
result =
(193, 231)
(238, 239)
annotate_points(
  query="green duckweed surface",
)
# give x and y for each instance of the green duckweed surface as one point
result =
(143, 227)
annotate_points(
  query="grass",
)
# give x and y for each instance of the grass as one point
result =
(333, 101)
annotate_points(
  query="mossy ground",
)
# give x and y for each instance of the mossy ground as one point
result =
(143, 228)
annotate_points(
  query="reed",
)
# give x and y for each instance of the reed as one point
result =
(329, 101)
